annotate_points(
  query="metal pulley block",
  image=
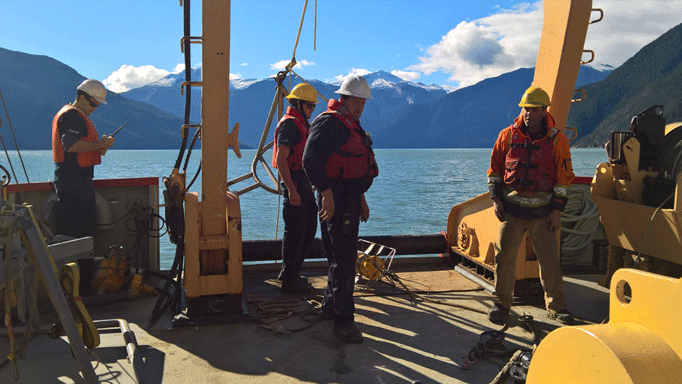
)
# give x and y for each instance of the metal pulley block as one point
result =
(519, 369)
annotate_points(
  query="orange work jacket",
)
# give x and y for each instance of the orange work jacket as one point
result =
(85, 159)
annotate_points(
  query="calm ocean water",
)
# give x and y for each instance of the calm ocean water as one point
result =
(413, 194)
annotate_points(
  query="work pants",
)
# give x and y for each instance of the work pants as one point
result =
(300, 225)
(75, 209)
(512, 232)
(340, 239)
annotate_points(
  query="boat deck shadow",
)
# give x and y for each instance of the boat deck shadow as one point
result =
(422, 337)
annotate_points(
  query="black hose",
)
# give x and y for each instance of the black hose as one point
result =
(174, 299)
(196, 174)
(197, 134)
(175, 216)
(8, 178)
(188, 78)
(189, 152)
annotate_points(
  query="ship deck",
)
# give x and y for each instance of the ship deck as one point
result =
(422, 337)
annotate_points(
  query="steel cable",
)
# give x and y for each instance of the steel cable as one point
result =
(9, 122)
(579, 221)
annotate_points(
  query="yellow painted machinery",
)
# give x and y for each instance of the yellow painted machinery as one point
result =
(638, 195)
(641, 343)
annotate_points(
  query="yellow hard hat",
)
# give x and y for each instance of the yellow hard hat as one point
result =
(535, 97)
(304, 91)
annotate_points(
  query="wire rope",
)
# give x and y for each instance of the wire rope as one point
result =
(9, 122)
(579, 221)
(290, 68)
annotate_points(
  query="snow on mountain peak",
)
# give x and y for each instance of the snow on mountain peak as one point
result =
(243, 83)
(382, 83)
(168, 81)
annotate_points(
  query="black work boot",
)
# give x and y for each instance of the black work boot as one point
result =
(279, 277)
(498, 314)
(296, 286)
(564, 316)
(349, 333)
(326, 313)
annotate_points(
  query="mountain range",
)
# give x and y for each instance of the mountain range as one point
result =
(652, 76)
(402, 114)
(35, 87)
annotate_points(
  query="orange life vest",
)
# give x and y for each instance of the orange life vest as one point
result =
(354, 159)
(85, 159)
(530, 166)
(295, 158)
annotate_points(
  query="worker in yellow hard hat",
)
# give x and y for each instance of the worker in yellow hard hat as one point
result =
(76, 149)
(529, 177)
(299, 207)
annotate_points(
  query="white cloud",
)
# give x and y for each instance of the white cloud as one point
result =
(508, 40)
(244, 64)
(129, 77)
(629, 25)
(406, 75)
(280, 65)
(354, 71)
(487, 47)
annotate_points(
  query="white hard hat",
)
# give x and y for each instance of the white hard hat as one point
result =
(355, 85)
(95, 89)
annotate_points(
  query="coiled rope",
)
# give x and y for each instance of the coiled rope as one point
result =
(270, 313)
(579, 220)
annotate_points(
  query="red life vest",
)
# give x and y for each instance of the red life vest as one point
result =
(354, 159)
(85, 159)
(530, 166)
(295, 158)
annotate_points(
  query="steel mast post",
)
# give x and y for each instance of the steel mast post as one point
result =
(213, 270)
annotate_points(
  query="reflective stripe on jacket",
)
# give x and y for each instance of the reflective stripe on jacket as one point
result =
(531, 174)
(295, 158)
(85, 159)
(355, 158)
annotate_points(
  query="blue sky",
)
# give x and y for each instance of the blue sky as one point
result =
(452, 43)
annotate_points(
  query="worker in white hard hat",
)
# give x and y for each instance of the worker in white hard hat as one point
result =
(529, 177)
(340, 164)
(76, 149)
(299, 209)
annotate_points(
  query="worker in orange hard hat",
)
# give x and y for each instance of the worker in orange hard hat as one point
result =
(76, 149)
(299, 207)
(529, 177)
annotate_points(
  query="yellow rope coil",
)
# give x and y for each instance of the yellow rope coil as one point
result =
(110, 274)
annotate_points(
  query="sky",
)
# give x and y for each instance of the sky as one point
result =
(451, 43)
